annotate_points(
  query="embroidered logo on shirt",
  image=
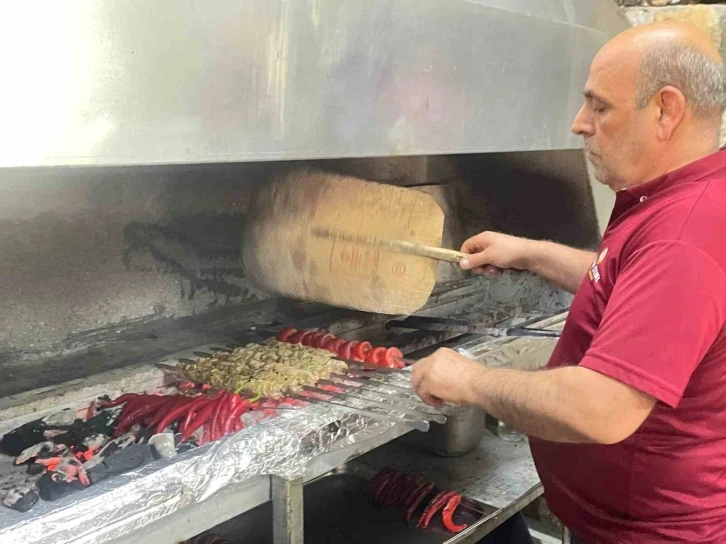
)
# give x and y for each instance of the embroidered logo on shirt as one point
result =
(594, 272)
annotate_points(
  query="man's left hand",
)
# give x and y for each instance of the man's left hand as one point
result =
(446, 376)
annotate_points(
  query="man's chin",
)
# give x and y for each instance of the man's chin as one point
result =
(603, 178)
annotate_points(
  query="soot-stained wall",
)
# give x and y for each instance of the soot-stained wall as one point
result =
(88, 252)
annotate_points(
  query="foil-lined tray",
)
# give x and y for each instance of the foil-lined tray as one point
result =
(282, 446)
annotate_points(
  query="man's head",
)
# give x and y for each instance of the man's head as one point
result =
(653, 102)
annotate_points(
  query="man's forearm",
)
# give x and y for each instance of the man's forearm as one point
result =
(564, 266)
(531, 402)
(559, 404)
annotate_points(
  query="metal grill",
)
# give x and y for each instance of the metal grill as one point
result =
(377, 392)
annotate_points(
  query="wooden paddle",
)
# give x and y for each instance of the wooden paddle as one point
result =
(344, 241)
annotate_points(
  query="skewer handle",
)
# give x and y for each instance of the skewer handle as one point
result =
(400, 246)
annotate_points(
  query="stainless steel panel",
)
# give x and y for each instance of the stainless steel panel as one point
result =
(287, 511)
(180, 81)
(464, 428)
(337, 510)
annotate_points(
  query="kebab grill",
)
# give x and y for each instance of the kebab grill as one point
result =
(224, 249)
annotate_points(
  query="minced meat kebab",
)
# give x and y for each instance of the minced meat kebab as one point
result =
(267, 370)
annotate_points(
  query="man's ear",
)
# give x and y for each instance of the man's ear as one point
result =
(671, 106)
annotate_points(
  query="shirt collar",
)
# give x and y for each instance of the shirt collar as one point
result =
(699, 170)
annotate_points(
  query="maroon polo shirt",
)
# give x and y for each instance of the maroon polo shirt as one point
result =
(651, 313)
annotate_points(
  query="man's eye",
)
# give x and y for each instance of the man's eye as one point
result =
(598, 109)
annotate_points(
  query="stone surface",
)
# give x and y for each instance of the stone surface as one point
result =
(660, 3)
(710, 19)
(707, 18)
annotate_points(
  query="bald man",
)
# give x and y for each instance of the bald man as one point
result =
(628, 423)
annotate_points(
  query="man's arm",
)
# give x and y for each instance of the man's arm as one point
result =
(564, 266)
(567, 404)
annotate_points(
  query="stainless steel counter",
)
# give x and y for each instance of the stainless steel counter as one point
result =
(496, 473)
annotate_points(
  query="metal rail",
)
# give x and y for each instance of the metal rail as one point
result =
(287, 511)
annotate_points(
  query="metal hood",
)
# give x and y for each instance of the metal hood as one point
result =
(182, 81)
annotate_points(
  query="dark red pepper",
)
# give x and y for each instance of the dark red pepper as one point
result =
(413, 485)
(197, 404)
(397, 491)
(217, 427)
(386, 487)
(436, 504)
(224, 413)
(379, 487)
(417, 498)
(285, 334)
(135, 413)
(239, 407)
(448, 514)
(180, 409)
(200, 418)
(161, 408)
(376, 480)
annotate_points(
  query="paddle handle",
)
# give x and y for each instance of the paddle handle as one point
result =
(400, 246)
(433, 252)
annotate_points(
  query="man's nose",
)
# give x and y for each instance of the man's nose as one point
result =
(582, 125)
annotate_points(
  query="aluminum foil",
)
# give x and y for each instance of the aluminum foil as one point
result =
(512, 351)
(282, 446)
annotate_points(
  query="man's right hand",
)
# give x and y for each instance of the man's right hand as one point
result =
(490, 252)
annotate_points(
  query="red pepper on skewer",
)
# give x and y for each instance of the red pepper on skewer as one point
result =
(306, 337)
(436, 504)
(448, 514)
(214, 423)
(179, 410)
(375, 356)
(376, 479)
(325, 341)
(285, 334)
(360, 350)
(381, 478)
(385, 488)
(224, 412)
(240, 406)
(135, 413)
(398, 491)
(336, 345)
(200, 418)
(316, 339)
(346, 350)
(417, 498)
(392, 358)
(163, 407)
(196, 405)
(414, 484)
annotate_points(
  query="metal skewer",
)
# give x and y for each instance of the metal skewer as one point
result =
(466, 327)
(420, 425)
(438, 418)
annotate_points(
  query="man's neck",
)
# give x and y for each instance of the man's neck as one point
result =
(669, 161)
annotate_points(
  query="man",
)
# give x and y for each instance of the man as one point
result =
(628, 423)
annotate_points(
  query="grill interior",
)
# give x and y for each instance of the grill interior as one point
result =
(114, 270)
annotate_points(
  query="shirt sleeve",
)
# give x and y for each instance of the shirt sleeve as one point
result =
(667, 307)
